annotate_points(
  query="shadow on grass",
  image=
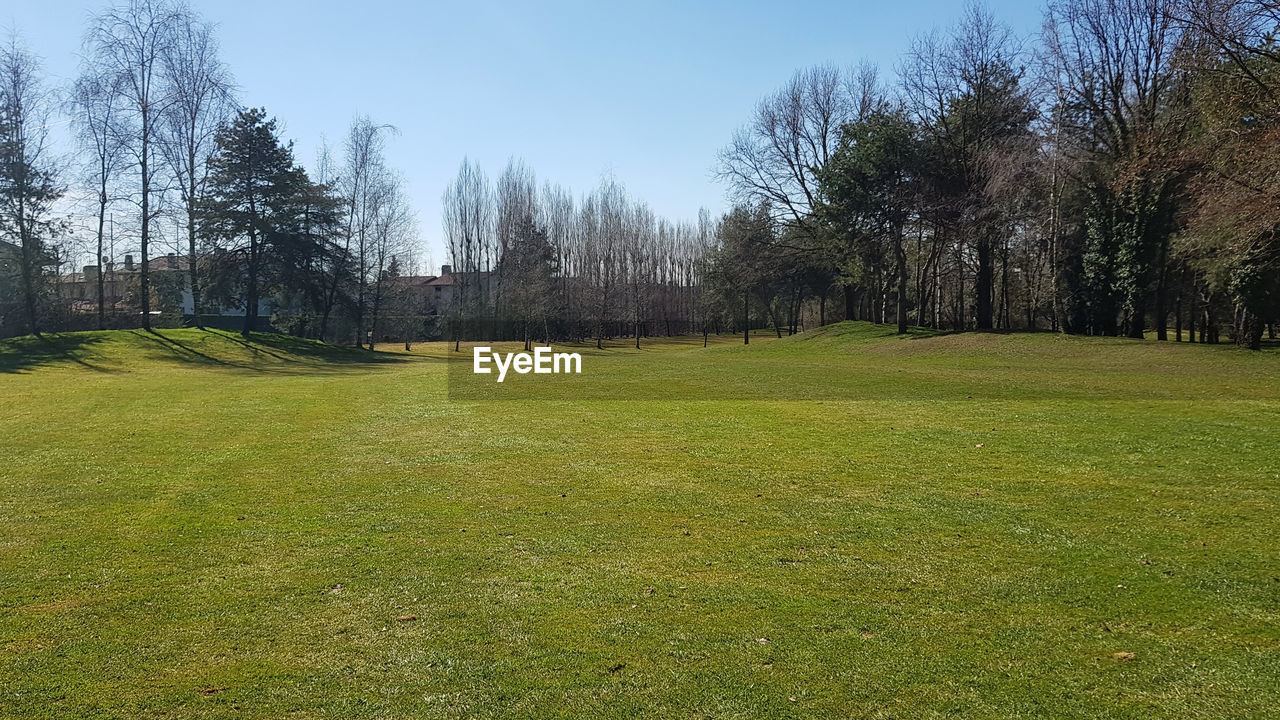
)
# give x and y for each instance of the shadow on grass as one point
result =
(115, 350)
(267, 352)
(861, 330)
(23, 354)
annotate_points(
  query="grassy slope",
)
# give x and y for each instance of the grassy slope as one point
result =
(955, 525)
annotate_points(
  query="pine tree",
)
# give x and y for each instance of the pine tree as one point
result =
(251, 207)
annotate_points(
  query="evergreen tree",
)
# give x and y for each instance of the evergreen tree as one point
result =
(251, 211)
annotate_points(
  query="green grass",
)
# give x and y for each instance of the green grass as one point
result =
(840, 524)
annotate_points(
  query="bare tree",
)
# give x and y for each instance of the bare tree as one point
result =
(516, 203)
(338, 265)
(556, 218)
(1240, 31)
(468, 220)
(774, 158)
(96, 111)
(364, 170)
(393, 237)
(638, 260)
(603, 214)
(200, 99)
(129, 43)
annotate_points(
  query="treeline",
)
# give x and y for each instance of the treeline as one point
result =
(535, 262)
(1118, 175)
(1115, 175)
(168, 163)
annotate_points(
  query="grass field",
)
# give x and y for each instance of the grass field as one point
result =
(840, 524)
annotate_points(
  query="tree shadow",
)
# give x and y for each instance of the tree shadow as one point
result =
(113, 351)
(269, 352)
(24, 354)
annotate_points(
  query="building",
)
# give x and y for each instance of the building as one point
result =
(170, 279)
(434, 294)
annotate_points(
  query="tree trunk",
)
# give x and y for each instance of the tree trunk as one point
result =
(1249, 330)
(960, 319)
(251, 291)
(983, 285)
(1177, 318)
(1162, 312)
(144, 279)
(191, 238)
(1138, 322)
(901, 258)
(251, 287)
(102, 266)
(30, 264)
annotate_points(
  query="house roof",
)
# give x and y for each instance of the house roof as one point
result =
(411, 280)
(164, 263)
(453, 278)
(11, 249)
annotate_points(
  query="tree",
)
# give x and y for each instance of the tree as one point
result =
(467, 219)
(773, 160)
(393, 235)
(200, 97)
(529, 267)
(96, 111)
(362, 177)
(29, 185)
(742, 262)
(966, 94)
(867, 190)
(326, 222)
(250, 206)
(129, 43)
(308, 253)
(603, 216)
(1230, 235)
(1117, 62)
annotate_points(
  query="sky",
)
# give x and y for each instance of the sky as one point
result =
(648, 92)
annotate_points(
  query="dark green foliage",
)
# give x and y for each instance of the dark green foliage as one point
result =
(867, 191)
(29, 186)
(271, 227)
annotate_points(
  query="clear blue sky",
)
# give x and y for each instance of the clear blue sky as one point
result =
(648, 91)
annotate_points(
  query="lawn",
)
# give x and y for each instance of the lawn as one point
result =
(839, 524)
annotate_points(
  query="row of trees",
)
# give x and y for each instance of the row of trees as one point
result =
(533, 261)
(1116, 177)
(163, 142)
